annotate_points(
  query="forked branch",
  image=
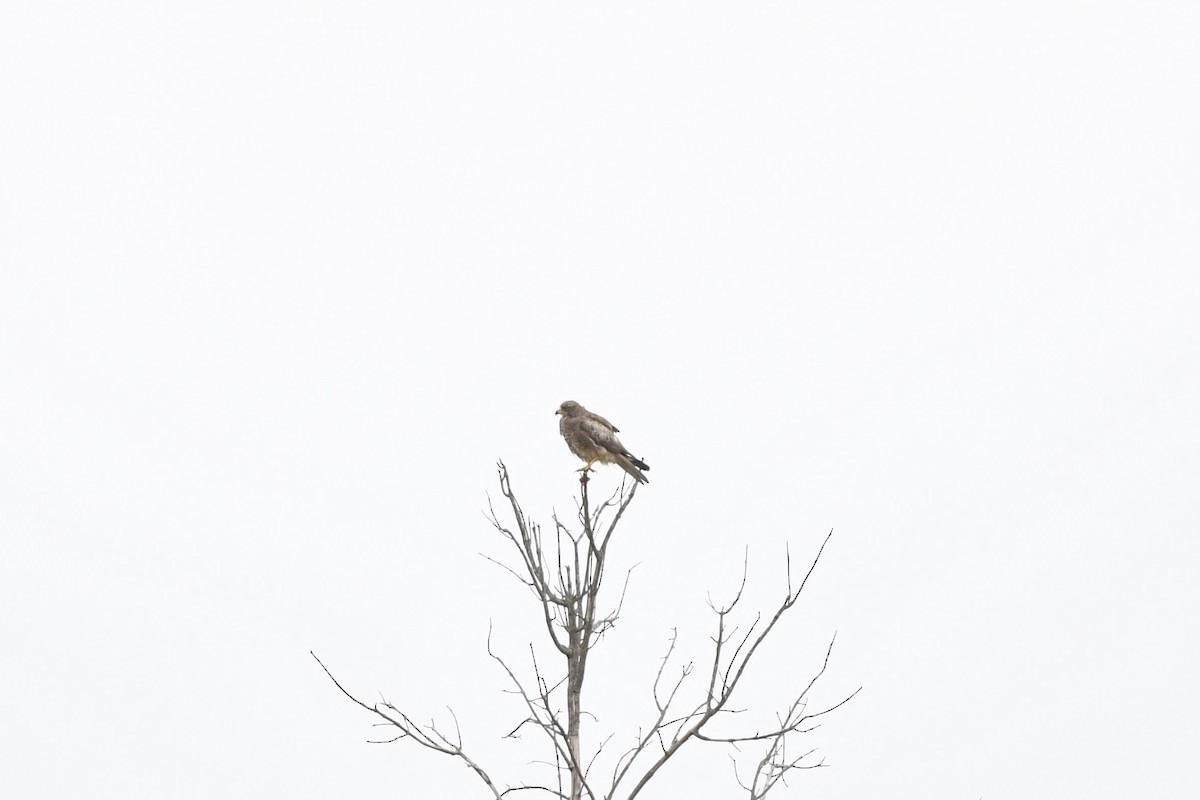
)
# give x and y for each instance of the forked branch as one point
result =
(724, 675)
(427, 736)
(565, 573)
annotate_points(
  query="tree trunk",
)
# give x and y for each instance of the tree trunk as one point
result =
(574, 690)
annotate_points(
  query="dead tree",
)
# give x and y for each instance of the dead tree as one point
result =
(565, 572)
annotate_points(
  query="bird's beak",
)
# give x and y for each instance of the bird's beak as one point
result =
(557, 412)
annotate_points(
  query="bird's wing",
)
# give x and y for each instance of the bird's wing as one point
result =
(601, 420)
(600, 432)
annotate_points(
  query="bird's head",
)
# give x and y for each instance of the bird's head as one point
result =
(569, 408)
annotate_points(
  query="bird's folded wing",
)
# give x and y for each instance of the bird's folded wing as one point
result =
(601, 434)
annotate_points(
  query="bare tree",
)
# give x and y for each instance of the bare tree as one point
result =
(564, 572)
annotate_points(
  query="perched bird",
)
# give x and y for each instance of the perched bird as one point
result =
(593, 438)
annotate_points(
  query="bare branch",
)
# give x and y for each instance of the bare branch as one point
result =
(731, 673)
(795, 718)
(428, 736)
(540, 713)
(564, 569)
(545, 789)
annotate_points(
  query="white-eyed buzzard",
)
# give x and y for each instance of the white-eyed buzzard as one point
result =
(593, 438)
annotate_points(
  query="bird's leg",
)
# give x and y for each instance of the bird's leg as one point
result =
(583, 473)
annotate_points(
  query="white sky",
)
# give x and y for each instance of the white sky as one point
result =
(280, 283)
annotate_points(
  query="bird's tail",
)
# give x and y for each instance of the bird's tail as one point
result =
(634, 467)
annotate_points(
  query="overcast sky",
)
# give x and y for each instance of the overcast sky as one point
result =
(282, 281)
